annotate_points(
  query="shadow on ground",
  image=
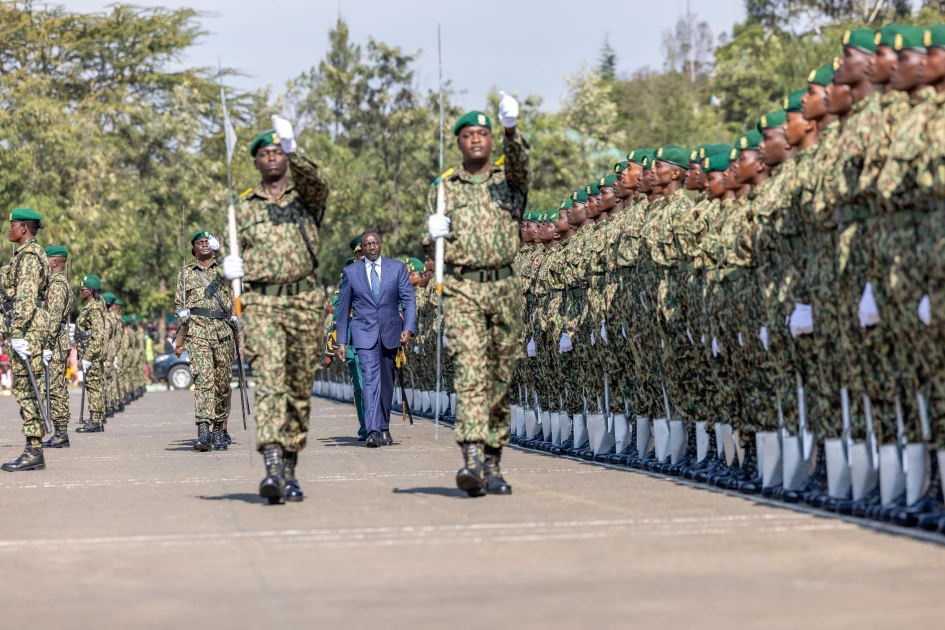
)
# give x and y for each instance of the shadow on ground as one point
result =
(454, 493)
(245, 497)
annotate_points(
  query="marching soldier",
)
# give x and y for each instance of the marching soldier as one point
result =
(91, 340)
(204, 304)
(58, 343)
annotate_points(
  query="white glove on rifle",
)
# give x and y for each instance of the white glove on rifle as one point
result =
(925, 310)
(802, 320)
(868, 309)
(47, 356)
(530, 348)
(183, 314)
(213, 243)
(115, 363)
(21, 347)
(438, 226)
(233, 267)
(286, 135)
(603, 332)
(508, 110)
(71, 334)
(763, 335)
(565, 344)
(86, 366)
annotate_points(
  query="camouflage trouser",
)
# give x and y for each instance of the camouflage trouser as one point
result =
(30, 411)
(482, 322)
(95, 392)
(127, 377)
(58, 389)
(211, 361)
(548, 373)
(354, 370)
(824, 367)
(283, 347)
(624, 391)
(571, 363)
(109, 380)
(719, 308)
(645, 340)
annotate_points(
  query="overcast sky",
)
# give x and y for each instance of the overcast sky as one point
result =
(525, 46)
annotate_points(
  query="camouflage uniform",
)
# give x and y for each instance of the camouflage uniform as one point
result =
(58, 307)
(209, 340)
(91, 341)
(113, 333)
(281, 309)
(25, 281)
(482, 320)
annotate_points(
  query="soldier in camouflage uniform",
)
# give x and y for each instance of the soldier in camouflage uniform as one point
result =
(482, 297)
(203, 302)
(278, 232)
(91, 339)
(25, 282)
(112, 331)
(58, 344)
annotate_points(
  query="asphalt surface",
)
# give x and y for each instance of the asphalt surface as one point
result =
(133, 529)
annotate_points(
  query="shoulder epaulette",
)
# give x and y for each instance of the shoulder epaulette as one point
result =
(500, 161)
(445, 175)
(245, 192)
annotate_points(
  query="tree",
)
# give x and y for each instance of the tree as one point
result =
(607, 62)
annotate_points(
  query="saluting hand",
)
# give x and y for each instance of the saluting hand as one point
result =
(508, 110)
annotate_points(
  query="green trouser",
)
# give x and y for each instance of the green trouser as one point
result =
(354, 369)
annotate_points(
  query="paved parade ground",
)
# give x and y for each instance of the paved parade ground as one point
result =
(132, 528)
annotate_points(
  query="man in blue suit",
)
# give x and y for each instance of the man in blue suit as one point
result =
(375, 290)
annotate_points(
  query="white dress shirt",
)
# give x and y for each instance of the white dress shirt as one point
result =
(367, 270)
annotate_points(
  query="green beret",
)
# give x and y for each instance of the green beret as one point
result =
(565, 204)
(263, 140)
(934, 36)
(697, 154)
(92, 281)
(749, 140)
(716, 162)
(578, 196)
(821, 76)
(861, 38)
(348, 261)
(202, 234)
(534, 216)
(109, 297)
(733, 154)
(355, 243)
(607, 182)
(472, 119)
(56, 250)
(792, 102)
(128, 319)
(119, 302)
(672, 154)
(772, 120)
(592, 189)
(25, 214)
(620, 167)
(909, 38)
(638, 155)
(414, 265)
(551, 215)
(711, 149)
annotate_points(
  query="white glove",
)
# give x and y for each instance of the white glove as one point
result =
(603, 332)
(689, 334)
(741, 342)
(21, 347)
(438, 226)
(286, 135)
(233, 267)
(508, 110)
(925, 310)
(115, 363)
(183, 314)
(802, 320)
(763, 335)
(868, 310)
(530, 348)
(564, 344)
(47, 356)
(72, 334)
(213, 243)
(86, 366)
(416, 349)
(593, 338)
(715, 347)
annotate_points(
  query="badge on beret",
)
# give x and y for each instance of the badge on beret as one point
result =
(587, 189)
(702, 152)
(601, 182)
(764, 121)
(705, 163)
(646, 161)
(275, 138)
(786, 102)
(733, 154)
(743, 142)
(617, 167)
(659, 152)
(574, 196)
(693, 156)
(877, 38)
(897, 43)
(836, 63)
(630, 157)
(846, 38)
(482, 120)
(811, 76)
(927, 38)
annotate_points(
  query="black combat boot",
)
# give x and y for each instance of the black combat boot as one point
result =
(31, 459)
(469, 477)
(94, 425)
(293, 492)
(226, 436)
(59, 439)
(272, 486)
(494, 483)
(203, 437)
(219, 440)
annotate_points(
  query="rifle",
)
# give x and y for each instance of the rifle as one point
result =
(7, 306)
(79, 336)
(108, 399)
(48, 404)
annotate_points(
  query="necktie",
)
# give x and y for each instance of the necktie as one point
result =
(375, 283)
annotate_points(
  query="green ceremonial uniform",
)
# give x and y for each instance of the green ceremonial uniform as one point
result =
(482, 319)
(281, 309)
(209, 337)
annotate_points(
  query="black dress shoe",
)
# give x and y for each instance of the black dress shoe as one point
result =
(91, 427)
(361, 438)
(373, 440)
(386, 439)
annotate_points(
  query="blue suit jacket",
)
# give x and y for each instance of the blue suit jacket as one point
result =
(381, 320)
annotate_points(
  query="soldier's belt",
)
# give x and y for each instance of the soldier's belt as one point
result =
(286, 289)
(478, 275)
(205, 312)
(850, 214)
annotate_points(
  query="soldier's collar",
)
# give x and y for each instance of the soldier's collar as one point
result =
(463, 174)
(258, 191)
